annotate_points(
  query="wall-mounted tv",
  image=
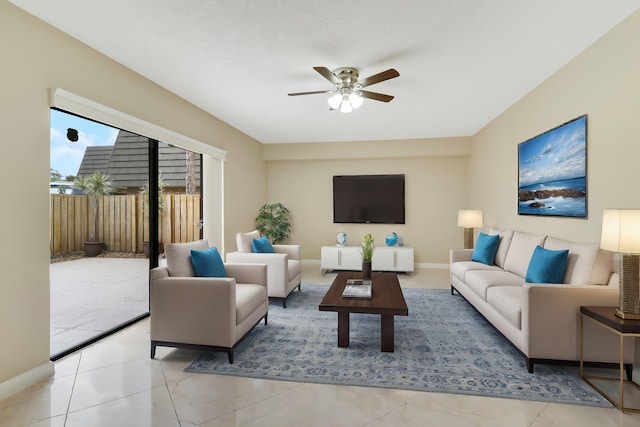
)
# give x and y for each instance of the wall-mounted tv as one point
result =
(368, 199)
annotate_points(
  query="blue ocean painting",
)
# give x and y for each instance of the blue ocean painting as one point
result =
(552, 178)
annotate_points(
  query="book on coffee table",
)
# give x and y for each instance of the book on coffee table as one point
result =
(357, 288)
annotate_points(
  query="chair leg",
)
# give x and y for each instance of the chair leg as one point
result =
(265, 318)
(300, 287)
(153, 349)
(628, 367)
(530, 364)
(230, 354)
(284, 302)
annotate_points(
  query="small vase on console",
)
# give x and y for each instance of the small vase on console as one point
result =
(366, 269)
(366, 250)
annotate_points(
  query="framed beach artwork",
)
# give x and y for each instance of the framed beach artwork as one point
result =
(552, 172)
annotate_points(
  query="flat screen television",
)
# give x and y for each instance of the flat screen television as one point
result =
(368, 199)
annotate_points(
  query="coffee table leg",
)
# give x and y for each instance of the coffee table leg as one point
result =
(386, 333)
(343, 329)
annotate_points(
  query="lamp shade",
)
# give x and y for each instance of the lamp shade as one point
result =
(335, 101)
(356, 101)
(346, 107)
(621, 230)
(470, 218)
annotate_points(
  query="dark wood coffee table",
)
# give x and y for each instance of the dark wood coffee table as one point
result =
(387, 301)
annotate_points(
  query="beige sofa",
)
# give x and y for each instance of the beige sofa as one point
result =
(205, 313)
(542, 320)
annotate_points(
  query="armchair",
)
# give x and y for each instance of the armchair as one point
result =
(204, 313)
(283, 267)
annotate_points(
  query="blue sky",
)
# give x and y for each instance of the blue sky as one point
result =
(66, 155)
(554, 155)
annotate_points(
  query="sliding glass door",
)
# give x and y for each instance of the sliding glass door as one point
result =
(116, 198)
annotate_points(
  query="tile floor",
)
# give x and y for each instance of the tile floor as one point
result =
(115, 383)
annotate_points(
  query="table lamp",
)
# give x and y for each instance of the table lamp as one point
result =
(621, 233)
(469, 219)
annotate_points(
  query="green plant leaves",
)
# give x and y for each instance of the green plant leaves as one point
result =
(273, 221)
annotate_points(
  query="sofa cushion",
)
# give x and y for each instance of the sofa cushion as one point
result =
(503, 246)
(486, 247)
(244, 240)
(207, 263)
(583, 257)
(602, 270)
(179, 257)
(248, 298)
(262, 246)
(479, 281)
(460, 268)
(507, 300)
(520, 252)
(547, 266)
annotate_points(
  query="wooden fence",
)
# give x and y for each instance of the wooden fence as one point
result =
(122, 222)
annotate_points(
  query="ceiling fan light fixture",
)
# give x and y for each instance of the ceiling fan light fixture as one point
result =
(345, 106)
(334, 101)
(349, 94)
(355, 99)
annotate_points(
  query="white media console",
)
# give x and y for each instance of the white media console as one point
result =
(385, 258)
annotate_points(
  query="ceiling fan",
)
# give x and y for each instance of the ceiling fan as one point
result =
(348, 93)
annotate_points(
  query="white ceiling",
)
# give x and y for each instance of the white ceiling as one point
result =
(461, 62)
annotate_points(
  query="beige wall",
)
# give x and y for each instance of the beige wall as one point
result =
(300, 176)
(36, 58)
(602, 82)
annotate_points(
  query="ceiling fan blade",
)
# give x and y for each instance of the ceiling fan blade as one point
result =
(380, 77)
(324, 71)
(310, 93)
(375, 96)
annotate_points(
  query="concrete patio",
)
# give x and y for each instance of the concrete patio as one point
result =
(92, 295)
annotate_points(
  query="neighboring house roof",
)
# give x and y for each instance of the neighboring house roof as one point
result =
(95, 159)
(127, 162)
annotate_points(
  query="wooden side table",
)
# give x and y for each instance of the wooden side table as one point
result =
(605, 317)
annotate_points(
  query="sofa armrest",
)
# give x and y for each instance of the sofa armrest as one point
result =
(277, 268)
(196, 310)
(248, 273)
(551, 316)
(457, 255)
(292, 250)
(158, 273)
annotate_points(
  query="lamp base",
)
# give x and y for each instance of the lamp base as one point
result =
(629, 300)
(468, 238)
(627, 316)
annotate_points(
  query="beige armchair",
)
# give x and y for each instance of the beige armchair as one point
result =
(204, 313)
(283, 267)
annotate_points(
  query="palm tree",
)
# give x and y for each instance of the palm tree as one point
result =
(94, 186)
(190, 175)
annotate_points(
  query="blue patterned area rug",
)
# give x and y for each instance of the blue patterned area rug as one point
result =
(443, 346)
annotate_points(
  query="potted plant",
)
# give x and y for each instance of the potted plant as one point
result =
(366, 251)
(94, 186)
(162, 207)
(273, 222)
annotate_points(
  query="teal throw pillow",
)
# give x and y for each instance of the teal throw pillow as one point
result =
(547, 266)
(262, 246)
(486, 248)
(207, 263)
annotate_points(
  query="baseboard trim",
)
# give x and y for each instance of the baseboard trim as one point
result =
(432, 265)
(26, 379)
(420, 265)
